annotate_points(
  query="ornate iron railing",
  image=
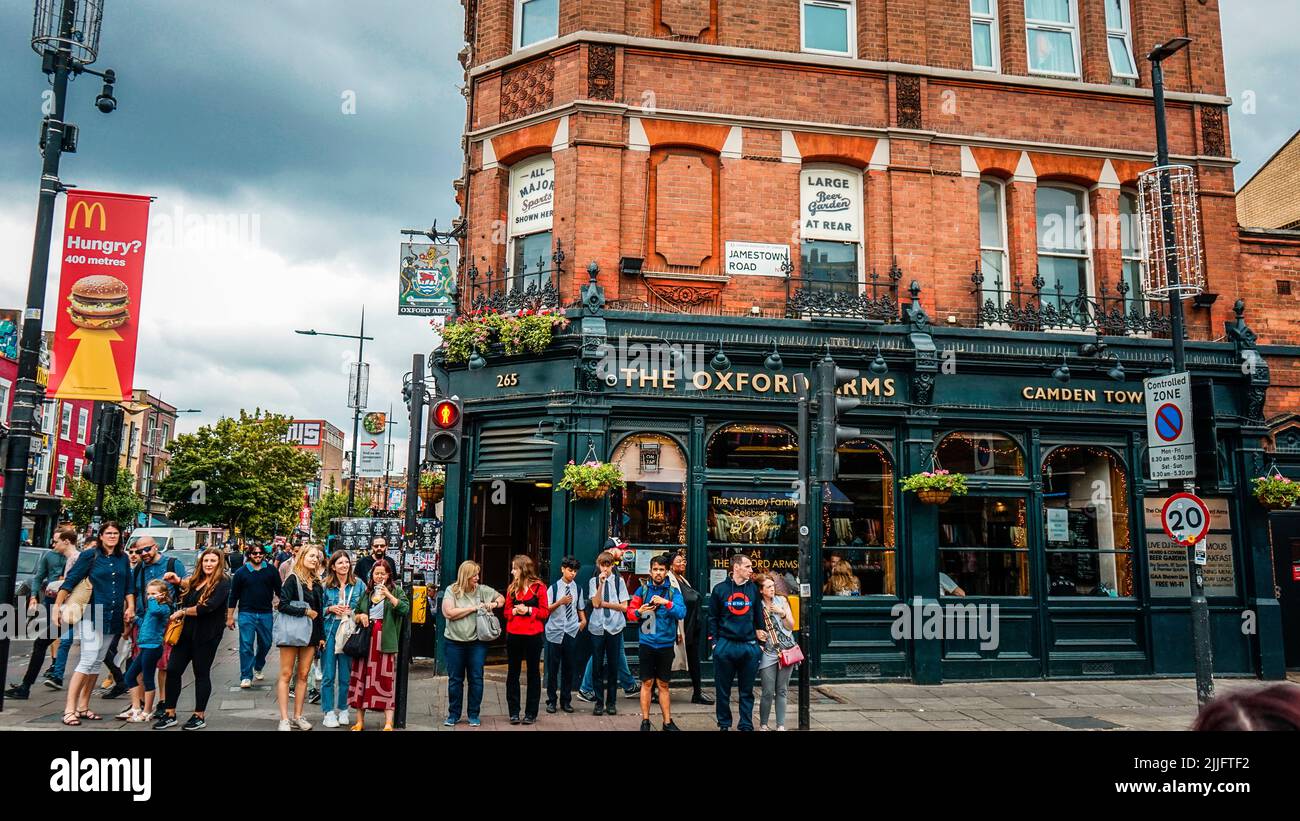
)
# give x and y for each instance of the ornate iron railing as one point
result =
(876, 298)
(1117, 312)
(534, 287)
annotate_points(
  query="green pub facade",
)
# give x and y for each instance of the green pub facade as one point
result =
(1060, 528)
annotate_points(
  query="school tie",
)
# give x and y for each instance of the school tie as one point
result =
(569, 591)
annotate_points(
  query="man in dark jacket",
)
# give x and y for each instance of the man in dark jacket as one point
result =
(251, 590)
(736, 630)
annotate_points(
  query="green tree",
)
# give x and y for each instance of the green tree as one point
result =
(241, 473)
(330, 505)
(121, 503)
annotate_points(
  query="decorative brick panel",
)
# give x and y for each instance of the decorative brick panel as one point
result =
(907, 93)
(1212, 140)
(527, 89)
(601, 60)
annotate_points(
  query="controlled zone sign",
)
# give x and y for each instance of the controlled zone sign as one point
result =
(1172, 450)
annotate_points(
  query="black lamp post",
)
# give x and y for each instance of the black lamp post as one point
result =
(1200, 610)
(66, 35)
(354, 400)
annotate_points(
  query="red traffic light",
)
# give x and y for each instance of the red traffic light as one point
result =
(446, 414)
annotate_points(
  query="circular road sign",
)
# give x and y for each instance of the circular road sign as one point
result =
(1169, 422)
(1185, 518)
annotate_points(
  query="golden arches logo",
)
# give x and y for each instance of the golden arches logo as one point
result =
(88, 209)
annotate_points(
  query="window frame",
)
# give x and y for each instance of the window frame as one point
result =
(1090, 289)
(1142, 303)
(1032, 24)
(1117, 498)
(83, 423)
(65, 421)
(851, 19)
(6, 389)
(890, 547)
(61, 482)
(49, 412)
(519, 25)
(991, 20)
(1024, 497)
(1000, 185)
(517, 279)
(859, 191)
(1125, 34)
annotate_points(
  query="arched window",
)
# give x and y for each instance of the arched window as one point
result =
(858, 523)
(649, 509)
(993, 241)
(980, 453)
(1131, 252)
(753, 447)
(1063, 244)
(532, 206)
(830, 216)
(1086, 522)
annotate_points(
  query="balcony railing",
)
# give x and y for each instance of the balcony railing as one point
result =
(533, 287)
(811, 296)
(1114, 312)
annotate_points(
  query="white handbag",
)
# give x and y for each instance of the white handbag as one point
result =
(347, 626)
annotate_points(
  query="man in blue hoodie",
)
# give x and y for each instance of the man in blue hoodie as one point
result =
(736, 629)
(658, 608)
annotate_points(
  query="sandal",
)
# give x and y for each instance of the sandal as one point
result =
(126, 714)
(71, 719)
(89, 715)
(388, 728)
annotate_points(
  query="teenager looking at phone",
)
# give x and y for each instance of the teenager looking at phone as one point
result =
(608, 595)
(658, 608)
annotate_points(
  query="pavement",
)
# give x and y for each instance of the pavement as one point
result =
(1131, 704)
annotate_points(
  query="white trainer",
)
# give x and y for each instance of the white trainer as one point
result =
(284, 725)
(302, 723)
(331, 720)
(244, 684)
(257, 674)
(344, 718)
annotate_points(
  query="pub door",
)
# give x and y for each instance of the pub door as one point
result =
(509, 519)
(1285, 527)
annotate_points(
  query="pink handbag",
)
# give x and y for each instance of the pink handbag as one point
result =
(790, 657)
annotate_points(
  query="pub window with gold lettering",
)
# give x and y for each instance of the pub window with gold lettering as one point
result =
(858, 557)
(762, 523)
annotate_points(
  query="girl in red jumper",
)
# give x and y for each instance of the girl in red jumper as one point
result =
(526, 611)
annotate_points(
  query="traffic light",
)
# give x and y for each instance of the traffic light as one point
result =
(445, 423)
(830, 406)
(102, 454)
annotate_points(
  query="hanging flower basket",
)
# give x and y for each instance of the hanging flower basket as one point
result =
(433, 486)
(1276, 492)
(934, 487)
(592, 480)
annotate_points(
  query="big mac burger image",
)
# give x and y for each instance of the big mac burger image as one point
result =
(99, 303)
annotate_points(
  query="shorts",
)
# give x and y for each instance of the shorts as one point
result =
(655, 663)
(94, 646)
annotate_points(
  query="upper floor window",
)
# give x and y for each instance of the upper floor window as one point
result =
(532, 207)
(1130, 250)
(1119, 39)
(993, 239)
(984, 34)
(5, 387)
(535, 21)
(1052, 30)
(828, 26)
(830, 207)
(83, 425)
(1062, 214)
(65, 421)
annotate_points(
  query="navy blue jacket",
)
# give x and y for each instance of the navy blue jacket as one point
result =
(252, 591)
(110, 580)
(734, 611)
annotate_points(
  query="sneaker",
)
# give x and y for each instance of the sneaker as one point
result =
(599, 711)
(763, 728)
(117, 691)
(158, 713)
(646, 726)
(301, 723)
(245, 683)
(780, 728)
(514, 719)
(53, 682)
(18, 692)
(283, 726)
(671, 727)
(450, 722)
(474, 722)
(611, 710)
(165, 722)
(313, 696)
(126, 714)
(551, 708)
(584, 695)
(632, 692)
(194, 723)
(331, 720)
(344, 718)
(701, 698)
(568, 708)
(530, 719)
(257, 674)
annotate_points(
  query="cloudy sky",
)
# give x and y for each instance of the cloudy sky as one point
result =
(239, 111)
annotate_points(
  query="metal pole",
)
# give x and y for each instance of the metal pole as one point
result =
(805, 565)
(1200, 610)
(27, 392)
(356, 414)
(388, 453)
(409, 530)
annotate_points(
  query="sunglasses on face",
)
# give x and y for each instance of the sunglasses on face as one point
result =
(133, 552)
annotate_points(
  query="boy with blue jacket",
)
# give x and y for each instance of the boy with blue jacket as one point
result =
(658, 608)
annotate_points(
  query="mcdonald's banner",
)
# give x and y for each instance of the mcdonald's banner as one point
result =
(99, 296)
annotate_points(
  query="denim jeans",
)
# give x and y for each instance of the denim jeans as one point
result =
(334, 665)
(61, 659)
(735, 661)
(253, 626)
(625, 678)
(605, 653)
(464, 661)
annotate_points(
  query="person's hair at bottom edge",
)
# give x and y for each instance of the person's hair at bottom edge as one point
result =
(1272, 708)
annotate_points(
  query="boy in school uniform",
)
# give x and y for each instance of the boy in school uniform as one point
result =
(566, 619)
(608, 595)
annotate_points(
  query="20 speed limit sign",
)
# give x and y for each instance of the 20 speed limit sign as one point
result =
(1185, 518)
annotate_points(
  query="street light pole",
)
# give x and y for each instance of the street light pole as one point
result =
(1200, 610)
(59, 61)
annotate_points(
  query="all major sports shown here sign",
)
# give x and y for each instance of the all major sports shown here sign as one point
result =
(1172, 450)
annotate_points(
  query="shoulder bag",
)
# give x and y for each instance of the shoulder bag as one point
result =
(74, 607)
(347, 626)
(358, 644)
(291, 631)
(788, 653)
(172, 634)
(486, 624)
